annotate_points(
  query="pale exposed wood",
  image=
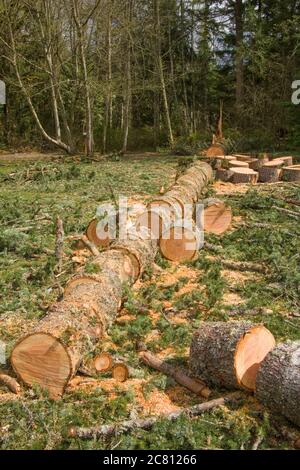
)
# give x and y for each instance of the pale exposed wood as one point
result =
(215, 150)
(179, 243)
(177, 373)
(148, 423)
(90, 245)
(92, 235)
(10, 383)
(271, 171)
(217, 216)
(229, 354)
(238, 164)
(103, 362)
(291, 173)
(120, 372)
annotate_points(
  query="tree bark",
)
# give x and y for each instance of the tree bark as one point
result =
(278, 381)
(228, 354)
(89, 113)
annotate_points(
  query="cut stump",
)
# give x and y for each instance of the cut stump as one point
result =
(244, 175)
(120, 372)
(291, 173)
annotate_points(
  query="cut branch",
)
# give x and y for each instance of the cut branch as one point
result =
(177, 373)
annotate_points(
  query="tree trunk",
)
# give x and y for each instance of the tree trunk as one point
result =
(89, 113)
(229, 354)
(51, 354)
(291, 173)
(278, 381)
(108, 101)
(239, 31)
(160, 69)
(127, 99)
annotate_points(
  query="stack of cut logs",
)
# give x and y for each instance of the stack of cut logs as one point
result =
(246, 169)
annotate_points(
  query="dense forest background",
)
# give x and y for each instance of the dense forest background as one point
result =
(105, 75)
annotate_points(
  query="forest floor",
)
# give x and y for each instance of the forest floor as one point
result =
(162, 309)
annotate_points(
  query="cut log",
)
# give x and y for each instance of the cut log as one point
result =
(177, 373)
(120, 372)
(278, 381)
(181, 242)
(229, 354)
(271, 172)
(215, 150)
(99, 238)
(217, 216)
(237, 164)
(291, 173)
(103, 362)
(51, 353)
(90, 245)
(243, 158)
(107, 430)
(244, 175)
(224, 175)
(288, 161)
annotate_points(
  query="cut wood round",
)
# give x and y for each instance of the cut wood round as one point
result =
(271, 171)
(227, 158)
(101, 237)
(215, 151)
(181, 242)
(229, 354)
(243, 158)
(278, 381)
(238, 164)
(215, 215)
(120, 372)
(103, 362)
(42, 359)
(224, 175)
(255, 164)
(160, 214)
(288, 161)
(291, 173)
(244, 175)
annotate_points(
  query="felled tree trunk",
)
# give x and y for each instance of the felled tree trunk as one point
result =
(229, 354)
(278, 381)
(50, 354)
(181, 240)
